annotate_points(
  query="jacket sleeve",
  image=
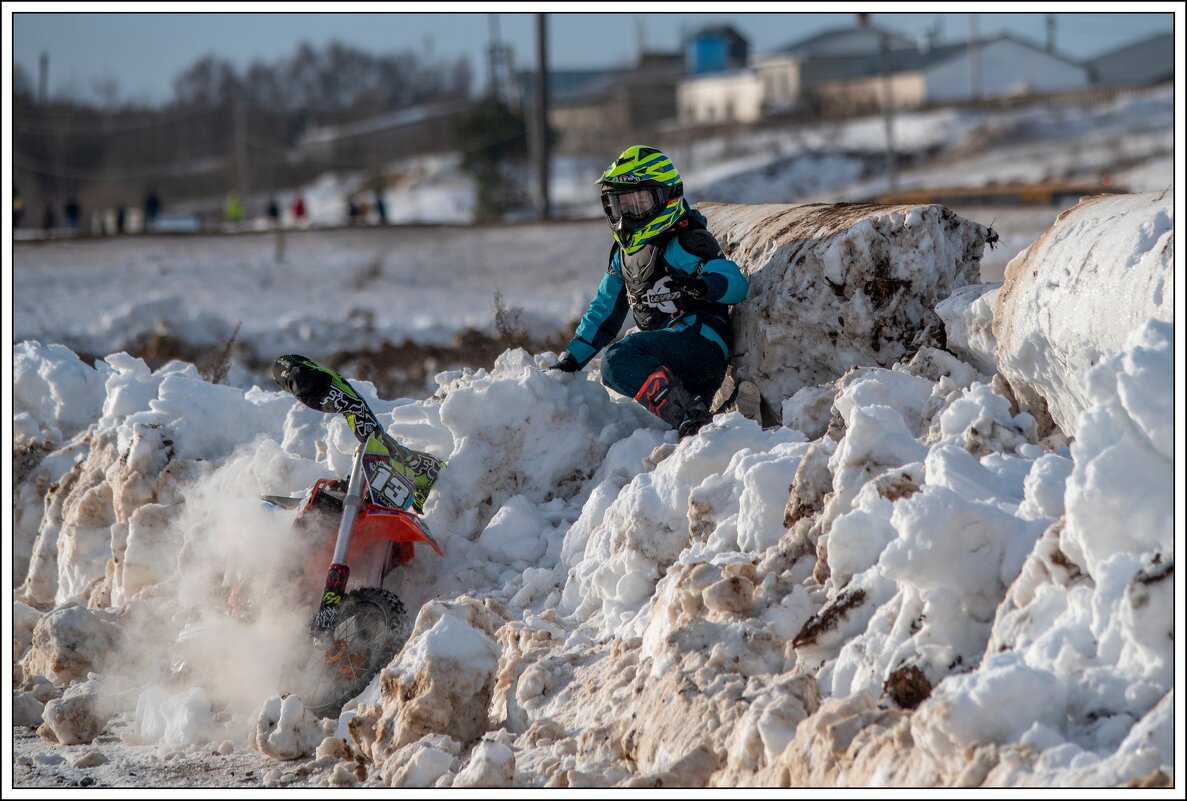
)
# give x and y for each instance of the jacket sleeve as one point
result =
(602, 320)
(724, 279)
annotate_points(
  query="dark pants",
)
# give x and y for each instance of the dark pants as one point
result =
(696, 361)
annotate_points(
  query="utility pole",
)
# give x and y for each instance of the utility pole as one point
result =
(502, 77)
(43, 80)
(974, 59)
(1050, 33)
(539, 138)
(239, 128)
(888, 114)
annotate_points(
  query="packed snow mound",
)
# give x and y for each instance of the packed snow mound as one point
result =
(172, 719)
(1103, 269)
(102, 529)
(1068, 681)
(70, 642)
(968, 324)
(78, 716)
(838, 285)
(285, 729)
(911, 587)
(503, 419)
(441, 683)
(53, 399)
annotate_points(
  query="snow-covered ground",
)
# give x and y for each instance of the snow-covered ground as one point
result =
(907, 583)
(337, 290)
(345, 289)
(334, 290)
(1130, 139)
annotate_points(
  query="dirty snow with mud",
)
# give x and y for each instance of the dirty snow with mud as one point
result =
(904, 579)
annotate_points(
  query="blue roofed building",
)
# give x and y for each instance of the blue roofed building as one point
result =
(716, 49)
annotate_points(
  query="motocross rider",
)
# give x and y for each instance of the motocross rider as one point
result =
(670, 272)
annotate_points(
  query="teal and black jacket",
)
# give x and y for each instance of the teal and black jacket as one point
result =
(640, 282)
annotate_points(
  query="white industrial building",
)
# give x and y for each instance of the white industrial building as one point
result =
(855, 70)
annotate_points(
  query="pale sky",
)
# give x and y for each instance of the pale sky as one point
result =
(142, 53)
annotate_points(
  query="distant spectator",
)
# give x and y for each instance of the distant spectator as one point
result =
(273, 212)
(380, 205)
(152, 208)
(48, 221)
(72, 215)
(233, 208)
(299, 209)
(352, 210)
(18, 207)
(120, 219)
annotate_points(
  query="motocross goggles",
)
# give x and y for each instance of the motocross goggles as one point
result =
(631, 208)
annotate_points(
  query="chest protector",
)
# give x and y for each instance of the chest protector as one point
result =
(645, 274)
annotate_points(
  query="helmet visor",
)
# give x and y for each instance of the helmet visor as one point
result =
(631, 208)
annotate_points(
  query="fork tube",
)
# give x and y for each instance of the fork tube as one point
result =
(350, 507)
(339, 572)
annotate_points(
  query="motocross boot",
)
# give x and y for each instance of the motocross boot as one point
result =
(664, 396)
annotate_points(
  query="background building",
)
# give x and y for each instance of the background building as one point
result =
(1149, 61)
(588, 108)
(958, 73)
(716, 49)
(856, 70)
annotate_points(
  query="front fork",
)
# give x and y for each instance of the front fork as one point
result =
(339, 572)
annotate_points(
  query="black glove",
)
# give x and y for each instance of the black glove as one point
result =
(304, 379)
(691, 286)
(566, 364)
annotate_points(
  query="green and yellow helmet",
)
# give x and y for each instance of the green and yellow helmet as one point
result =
(642, 195)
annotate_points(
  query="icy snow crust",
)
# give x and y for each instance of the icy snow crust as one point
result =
(860, 281)
(1105, 267)
(904, 585)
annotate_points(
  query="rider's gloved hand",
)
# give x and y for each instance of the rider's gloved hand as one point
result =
(566, 364)
(692, 287)
(304, 379)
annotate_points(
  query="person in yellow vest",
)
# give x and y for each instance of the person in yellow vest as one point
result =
(233, 208)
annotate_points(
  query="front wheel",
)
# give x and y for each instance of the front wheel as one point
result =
(372, 626)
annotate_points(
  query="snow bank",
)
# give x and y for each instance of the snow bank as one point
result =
(912, 588)
(834, 286)
(431, 759)
(968, 325)
(519, 432)
(1071, 298)
(54, 391)
(1128, 442)
(627, 538)
(441, 683)
(70, 642)
(100, 530)
(1068, 677)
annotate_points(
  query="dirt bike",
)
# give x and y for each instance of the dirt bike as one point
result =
(375, 514)
(356, 632)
